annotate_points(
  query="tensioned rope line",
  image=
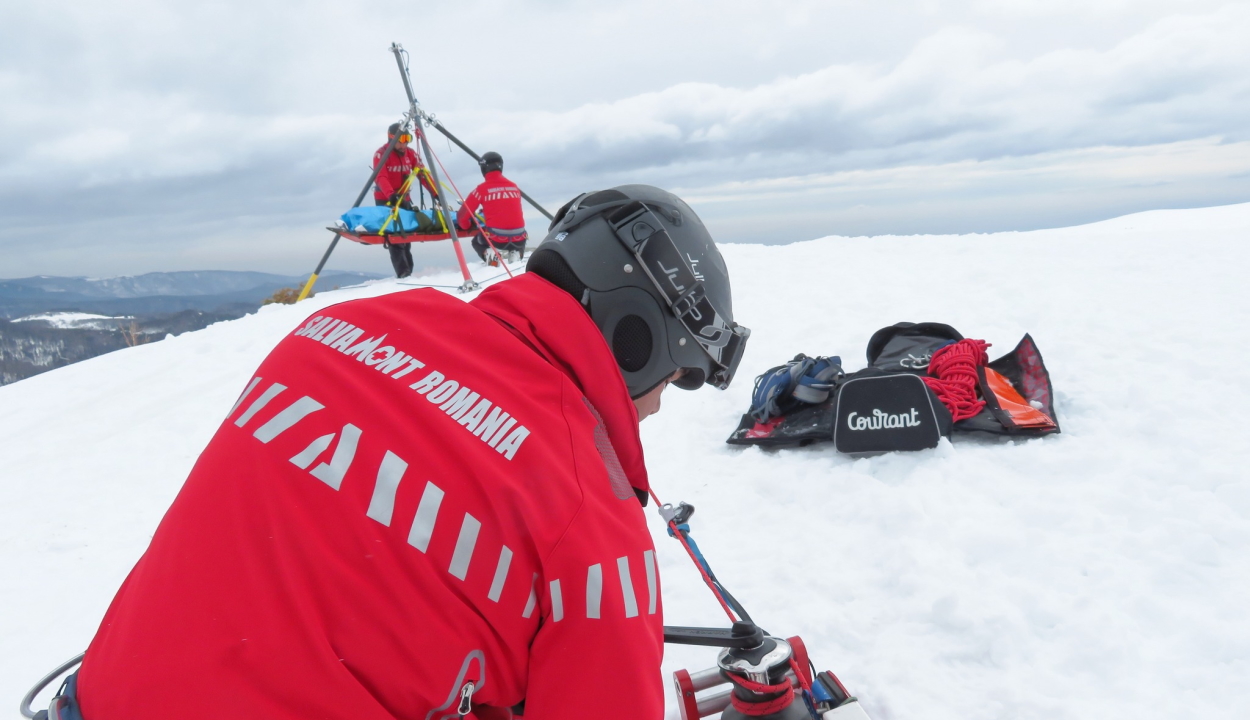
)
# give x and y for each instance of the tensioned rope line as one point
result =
(481, 283)
(750, 709)
(681, 537)
(485, 233)
(404, 189)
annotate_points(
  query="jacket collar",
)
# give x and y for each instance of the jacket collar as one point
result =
(558, 329)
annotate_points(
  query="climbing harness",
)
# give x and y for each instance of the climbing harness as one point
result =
(802, 380)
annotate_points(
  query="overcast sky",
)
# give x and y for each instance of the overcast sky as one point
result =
(138, 135)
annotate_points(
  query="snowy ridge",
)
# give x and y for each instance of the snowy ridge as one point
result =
(73, 320)
(1100, 573)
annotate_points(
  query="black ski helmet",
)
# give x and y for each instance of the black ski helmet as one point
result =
(398, 129)
(490, 161)
(648, 272)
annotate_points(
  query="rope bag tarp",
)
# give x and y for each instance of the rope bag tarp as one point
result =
(957, 390)
(371, 219)
(407, 227)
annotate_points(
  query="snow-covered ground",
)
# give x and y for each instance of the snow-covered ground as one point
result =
(76, 320)
(1100, 573)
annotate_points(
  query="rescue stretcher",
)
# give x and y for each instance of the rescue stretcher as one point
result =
(367, 238)
(375, 226)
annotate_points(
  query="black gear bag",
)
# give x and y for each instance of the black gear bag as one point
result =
(887, 406)
(879, 412)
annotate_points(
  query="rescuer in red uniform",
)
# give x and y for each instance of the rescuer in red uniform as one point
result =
(388, 188)
(422, 508)
(499, 200)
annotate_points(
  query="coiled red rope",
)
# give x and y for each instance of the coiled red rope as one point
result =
(777, 704)
(954, 377)
(766, 707)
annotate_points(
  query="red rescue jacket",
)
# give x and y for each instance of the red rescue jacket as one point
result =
(391, 178)
(500, 201)
(411, 495)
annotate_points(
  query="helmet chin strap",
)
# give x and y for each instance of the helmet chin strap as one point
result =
(658, 383)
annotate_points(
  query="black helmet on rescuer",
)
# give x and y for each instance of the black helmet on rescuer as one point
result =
(648, 272)
(490, 161)
(398, 129)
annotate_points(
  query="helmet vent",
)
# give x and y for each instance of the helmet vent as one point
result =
(631, 343)
(603, 196)
(552, 267)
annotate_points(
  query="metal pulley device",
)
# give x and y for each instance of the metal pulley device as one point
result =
(758, 676)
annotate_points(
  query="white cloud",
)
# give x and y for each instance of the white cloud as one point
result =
(956, 95)
(269, 110)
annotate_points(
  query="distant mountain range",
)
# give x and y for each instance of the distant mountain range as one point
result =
(49, 322)
(154, 293)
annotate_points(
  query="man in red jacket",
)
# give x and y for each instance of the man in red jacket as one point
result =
(499, 200)
(388, 188)
(421, 508)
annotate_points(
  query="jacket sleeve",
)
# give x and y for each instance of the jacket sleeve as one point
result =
(599, 647)
(385, 186)
(464, 216)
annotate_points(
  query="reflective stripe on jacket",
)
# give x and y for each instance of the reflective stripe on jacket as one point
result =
(410, 494)
(499, 200)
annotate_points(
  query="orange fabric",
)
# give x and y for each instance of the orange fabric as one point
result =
(1022, 413)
